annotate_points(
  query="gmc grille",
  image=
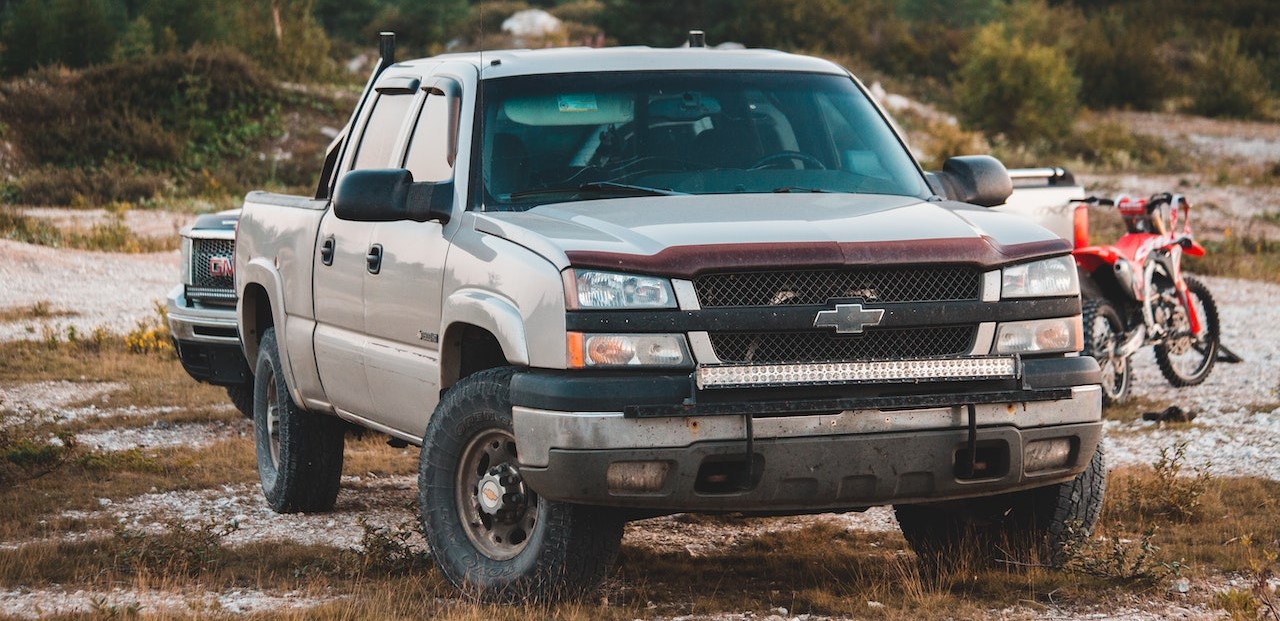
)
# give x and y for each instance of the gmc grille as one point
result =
(206, 287)
(932, 284)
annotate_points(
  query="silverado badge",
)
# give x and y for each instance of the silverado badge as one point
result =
(848, 318)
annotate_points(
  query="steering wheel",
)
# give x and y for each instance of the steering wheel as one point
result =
(782, 156)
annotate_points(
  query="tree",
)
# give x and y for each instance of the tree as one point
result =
(1025, 91)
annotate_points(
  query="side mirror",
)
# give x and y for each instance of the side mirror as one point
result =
(977, 179)
(390, 195)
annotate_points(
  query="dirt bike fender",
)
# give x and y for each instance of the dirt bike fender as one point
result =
(1090, 258)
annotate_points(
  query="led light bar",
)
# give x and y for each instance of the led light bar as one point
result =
(879, 372)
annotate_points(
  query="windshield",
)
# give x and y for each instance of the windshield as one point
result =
(582, 136)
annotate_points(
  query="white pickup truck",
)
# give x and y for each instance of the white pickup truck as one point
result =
(596, 284)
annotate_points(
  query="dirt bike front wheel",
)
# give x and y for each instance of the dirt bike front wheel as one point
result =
(1185, 358)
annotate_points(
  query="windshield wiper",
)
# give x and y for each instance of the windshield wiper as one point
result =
(788, 189)
(600, 187)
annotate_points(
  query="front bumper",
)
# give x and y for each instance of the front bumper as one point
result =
(207, 340)
(818, 455)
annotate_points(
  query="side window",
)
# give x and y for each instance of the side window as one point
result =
(430, 155)
(381, 131)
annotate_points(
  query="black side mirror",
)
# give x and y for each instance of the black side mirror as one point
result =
(977, 179)
(390, 195)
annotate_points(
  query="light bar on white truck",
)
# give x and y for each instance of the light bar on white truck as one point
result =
(878, 371)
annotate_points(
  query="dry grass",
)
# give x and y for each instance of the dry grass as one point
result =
(110, 236)
(1156, 525)
(42, 309)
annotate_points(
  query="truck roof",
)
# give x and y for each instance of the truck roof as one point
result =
(506, 63)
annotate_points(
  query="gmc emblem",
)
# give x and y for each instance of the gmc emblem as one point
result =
(221, 267)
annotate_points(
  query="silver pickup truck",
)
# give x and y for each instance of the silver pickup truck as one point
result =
(601, 284)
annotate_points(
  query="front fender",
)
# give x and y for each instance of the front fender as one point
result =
(495, 314)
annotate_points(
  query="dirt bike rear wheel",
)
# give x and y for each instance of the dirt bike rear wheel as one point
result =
(1185, 359)
(1104, 334)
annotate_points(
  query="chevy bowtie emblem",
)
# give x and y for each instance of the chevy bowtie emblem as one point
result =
(848, 318)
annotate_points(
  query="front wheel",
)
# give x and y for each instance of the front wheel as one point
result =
(1185, 358)
(490, 534)
(1103, 337)
(1047, 520)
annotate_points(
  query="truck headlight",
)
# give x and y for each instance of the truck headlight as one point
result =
(186, 260)
(1040, 336)
(591, 289)
(628, 350)
(1048, 278)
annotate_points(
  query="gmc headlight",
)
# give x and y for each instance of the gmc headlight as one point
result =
(1040, 279)
(594, 289)
(627, 350)
(186, 260)
(1040, 336)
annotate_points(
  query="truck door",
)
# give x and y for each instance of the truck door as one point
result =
(402, 300)
(343, 258)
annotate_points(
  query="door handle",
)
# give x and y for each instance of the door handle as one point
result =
(326, 251)
(374, 258)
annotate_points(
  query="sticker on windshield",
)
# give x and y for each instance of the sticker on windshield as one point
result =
(578, 103)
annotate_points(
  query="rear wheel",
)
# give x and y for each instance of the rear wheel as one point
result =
(299, 453)
(1103, 337)
(1046, 520)
(491, 535)
(1185, 358)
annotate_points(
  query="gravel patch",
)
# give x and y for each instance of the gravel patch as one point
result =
(1237, 425)
(49, 401)
(126, 603)
(382, 502)
(109, 290)
(160, 434)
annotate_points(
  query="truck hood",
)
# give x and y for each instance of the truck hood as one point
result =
(683, 235)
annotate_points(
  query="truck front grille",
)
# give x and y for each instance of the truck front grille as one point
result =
(917, 284)
(212, 281)
(824, 346)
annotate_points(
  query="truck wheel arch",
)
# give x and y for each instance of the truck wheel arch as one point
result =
(482, 330)
(260, 307)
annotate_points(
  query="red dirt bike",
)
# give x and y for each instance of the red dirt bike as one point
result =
(1135, 294)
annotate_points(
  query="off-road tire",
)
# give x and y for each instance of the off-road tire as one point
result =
(1210, 319)
(302, 472)
(1100, 310)
(569, 548)
(241, 396)
(1047, 521)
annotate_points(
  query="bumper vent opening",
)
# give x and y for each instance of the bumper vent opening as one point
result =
(727, 474)
(991, 461)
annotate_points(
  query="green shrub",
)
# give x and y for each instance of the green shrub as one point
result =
(1022, 90)
(1227, 82)
(116, 132)
(1109, 145)
(1121, 67)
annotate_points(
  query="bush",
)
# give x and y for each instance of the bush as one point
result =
(1227, 82)
(117, 132)
(1120, 67)
(1110, 145)
(1024, 91)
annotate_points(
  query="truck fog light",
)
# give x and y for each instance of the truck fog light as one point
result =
(1040, 336)
(610, 350)
(627, 350)
(1046, 454)
(637, 476)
